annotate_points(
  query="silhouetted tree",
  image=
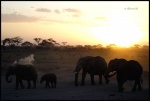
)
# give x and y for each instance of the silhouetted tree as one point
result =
(27, 44)
(145, 46)
(57, 44)
(6, 41)
(69, 47)
(51, 41)
(46, 43)
(99, 46)
(12, 41)
(94, 46)
(111, 46)
(17, 40)
(64, 43)
(136, 45)
(87, 46)
(37, 40)
(79, 47)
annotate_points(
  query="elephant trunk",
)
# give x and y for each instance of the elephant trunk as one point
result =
(76, 71)
(8, 79)
(76, 79)
(108, 75)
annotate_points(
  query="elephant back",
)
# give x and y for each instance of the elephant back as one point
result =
(49, 77)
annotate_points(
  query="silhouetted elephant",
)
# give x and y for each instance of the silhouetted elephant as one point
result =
(92, 65)
(51, 77)
(126, 70)
(22, 72)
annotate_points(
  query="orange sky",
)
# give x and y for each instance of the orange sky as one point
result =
(85, 23)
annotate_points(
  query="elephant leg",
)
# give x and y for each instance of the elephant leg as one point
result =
(135, 85)
(120, 84)
(106, 79)
(52, 84)
(83, 78)
(55, 84)
(34, 82)
(100, 79)
(76, 79)
(17, 83)
(29, 84)
(139, 86)
(21, 84)
(92, 79)
(46, 85)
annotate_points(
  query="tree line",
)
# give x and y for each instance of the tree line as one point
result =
(51, 43)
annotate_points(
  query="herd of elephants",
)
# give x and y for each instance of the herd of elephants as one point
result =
(125, 70)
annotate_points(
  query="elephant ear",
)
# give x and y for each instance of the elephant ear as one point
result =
(14, 65)
(11, 69)
(79, 65)
(114, 64)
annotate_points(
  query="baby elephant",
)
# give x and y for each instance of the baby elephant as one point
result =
(50, 77)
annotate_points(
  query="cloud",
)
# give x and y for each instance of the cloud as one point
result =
(17, 18)
(57, 11)
(31, 7)
(43, 10)
(72, 10)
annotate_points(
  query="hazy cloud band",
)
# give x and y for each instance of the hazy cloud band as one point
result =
(17, 18)
(43, 10)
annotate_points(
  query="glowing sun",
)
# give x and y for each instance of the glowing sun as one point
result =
(118, 32)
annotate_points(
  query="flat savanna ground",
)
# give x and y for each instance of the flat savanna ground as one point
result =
(62, 63)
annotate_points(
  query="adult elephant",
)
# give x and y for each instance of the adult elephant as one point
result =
(126, 70)
(22, 72)
(92, 65)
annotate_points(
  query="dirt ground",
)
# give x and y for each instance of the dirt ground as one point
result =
(66, 89)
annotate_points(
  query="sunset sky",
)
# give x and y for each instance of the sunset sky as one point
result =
(122, 23)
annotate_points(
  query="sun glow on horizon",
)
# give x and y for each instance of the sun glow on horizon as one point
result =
(119, 30)
(120, 37)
